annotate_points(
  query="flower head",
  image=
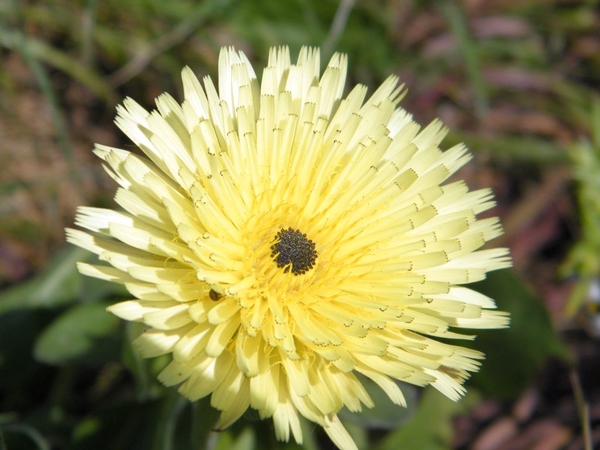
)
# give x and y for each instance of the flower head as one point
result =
(280, 238)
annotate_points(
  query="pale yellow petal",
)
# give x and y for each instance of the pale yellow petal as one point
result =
(280, 237)
(153, 342)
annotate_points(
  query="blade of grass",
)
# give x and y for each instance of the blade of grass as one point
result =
(337, 27)
(36, 52)
(34, 435)
(23, 46)
(595, 123)
(172, 406)
(88, 27)
(582, 408)
(144, 56)
(512, 148)
(468, 51)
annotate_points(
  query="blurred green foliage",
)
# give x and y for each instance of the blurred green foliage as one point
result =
(514, 356)
(102, 395)
(69, 377)
(583, 261)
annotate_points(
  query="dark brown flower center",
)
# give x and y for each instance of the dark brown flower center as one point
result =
(293, 251)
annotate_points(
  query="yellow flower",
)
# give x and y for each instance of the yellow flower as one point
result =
(280, 238)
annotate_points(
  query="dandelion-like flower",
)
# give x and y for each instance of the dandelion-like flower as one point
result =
(280, 238)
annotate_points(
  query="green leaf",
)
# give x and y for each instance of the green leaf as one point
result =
(84, 334)
(144, 371)
(514, 355)
(18, 332)
(385, 414)
(23, 436)
(56, 286)
(431, 427)
(122, 425)
(224, 441)
(203, 418)
(59, 284)
(171, 407)
(245, 441)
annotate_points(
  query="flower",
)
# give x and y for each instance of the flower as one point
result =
(280, 238)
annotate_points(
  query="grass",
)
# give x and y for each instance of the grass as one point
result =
(514, 80)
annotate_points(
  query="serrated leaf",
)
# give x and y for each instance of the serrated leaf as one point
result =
(85, 334)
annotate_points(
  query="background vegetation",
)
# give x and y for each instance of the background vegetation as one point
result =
(516, 80)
